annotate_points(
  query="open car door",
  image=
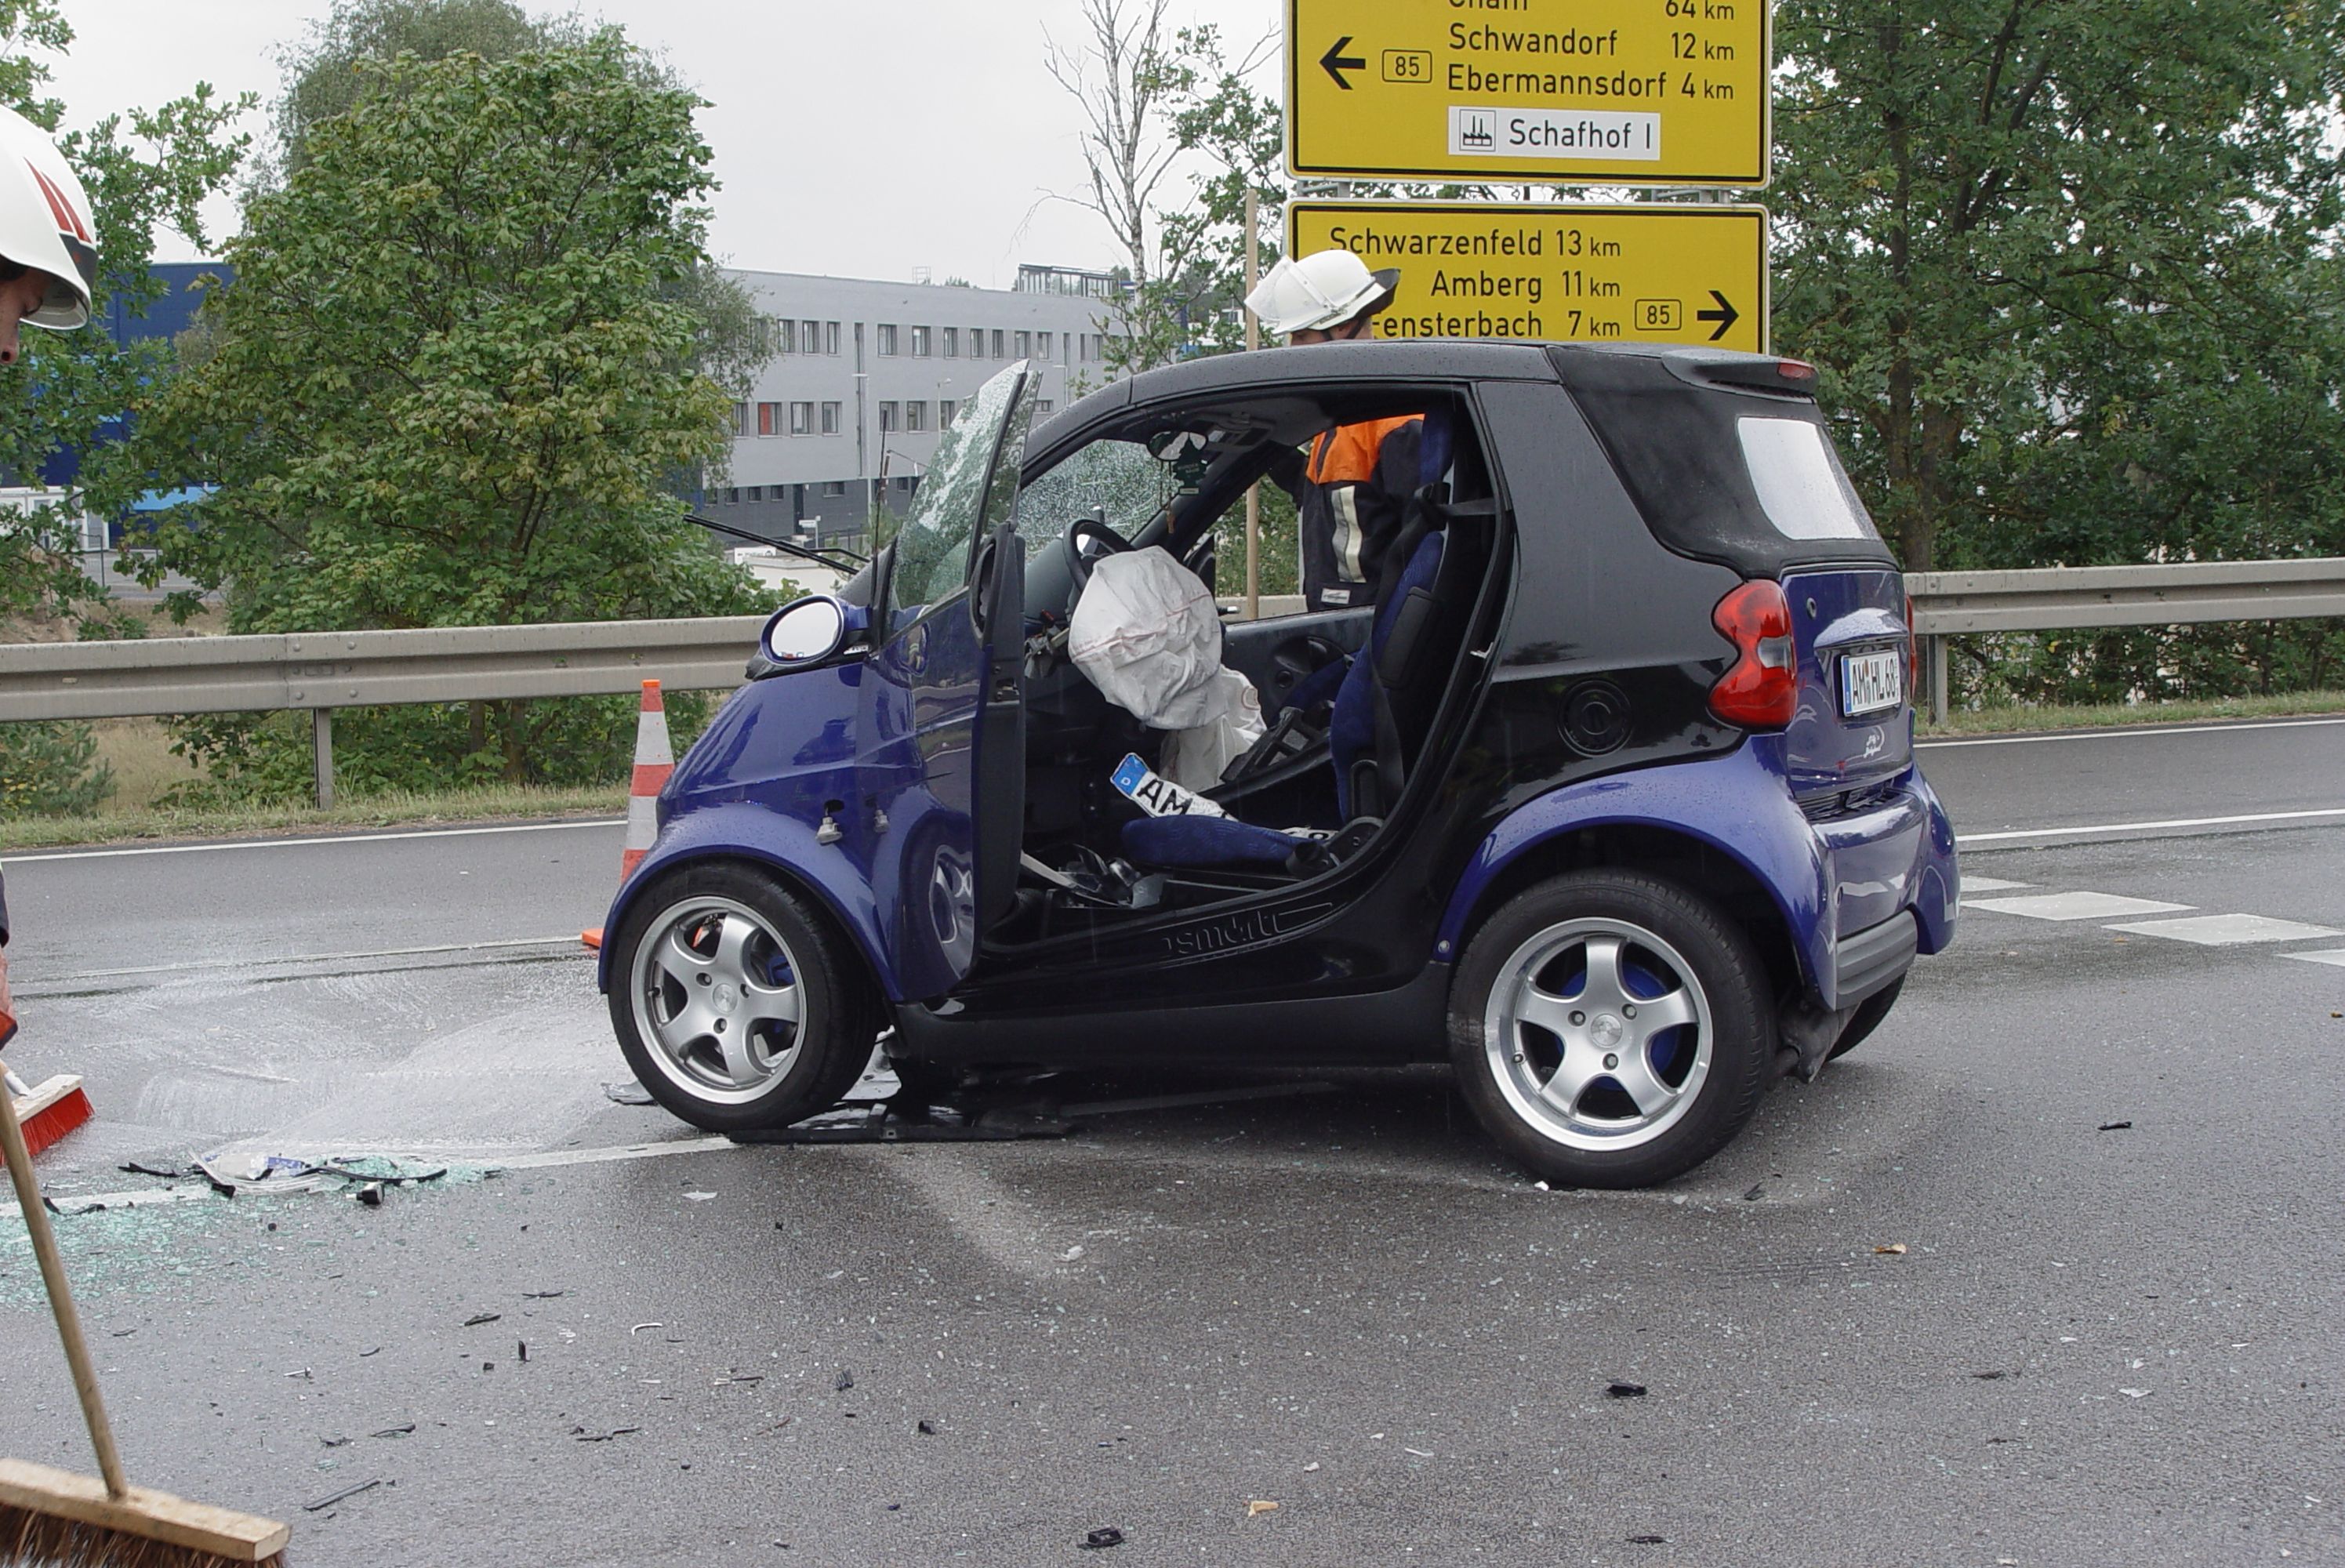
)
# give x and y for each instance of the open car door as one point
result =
(942, 718)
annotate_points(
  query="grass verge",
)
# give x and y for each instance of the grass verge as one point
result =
(492, 804)
(2007, 720)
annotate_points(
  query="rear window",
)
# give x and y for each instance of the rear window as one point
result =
(1746, 478)
(1802, 487)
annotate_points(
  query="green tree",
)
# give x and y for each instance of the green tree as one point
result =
(2064, 263)
(451, 383)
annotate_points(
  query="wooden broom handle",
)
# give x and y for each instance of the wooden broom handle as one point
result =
(53, 1275)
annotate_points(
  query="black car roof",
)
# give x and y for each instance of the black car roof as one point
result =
(1371, 360)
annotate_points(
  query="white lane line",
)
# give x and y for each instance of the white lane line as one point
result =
(272, 962)
(199, 1192)
(304, 842)
(1989, 884)
(1967, 840)
(2228, 930)
(2333, 956)
(2071, 905)
(2125, 731)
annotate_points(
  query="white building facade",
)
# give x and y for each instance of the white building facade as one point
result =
(867, 373)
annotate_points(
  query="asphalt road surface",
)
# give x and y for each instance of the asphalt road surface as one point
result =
(2102, 1130)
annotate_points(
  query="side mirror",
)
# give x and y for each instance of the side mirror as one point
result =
(805, 631)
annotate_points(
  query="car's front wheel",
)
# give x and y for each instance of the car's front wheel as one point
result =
(734, 1003)
(1611, 1029)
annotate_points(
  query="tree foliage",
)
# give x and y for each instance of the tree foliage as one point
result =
(145, 172)
(454, 379)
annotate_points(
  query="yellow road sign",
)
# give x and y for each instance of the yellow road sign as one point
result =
(1599, 92)
(1650, 272)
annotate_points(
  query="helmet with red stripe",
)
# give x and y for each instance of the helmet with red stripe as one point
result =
(45, 224)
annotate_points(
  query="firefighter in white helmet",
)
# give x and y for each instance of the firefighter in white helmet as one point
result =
(48, 261)
(1350, 490)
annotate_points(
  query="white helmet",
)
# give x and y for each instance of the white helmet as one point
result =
(1324, 289)
(45, 220)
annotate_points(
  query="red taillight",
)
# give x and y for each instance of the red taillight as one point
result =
(1795, 370)
(1761, 691)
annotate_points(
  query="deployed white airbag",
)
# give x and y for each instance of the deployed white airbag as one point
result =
(1146, 633)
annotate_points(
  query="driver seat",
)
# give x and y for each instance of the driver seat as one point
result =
(1386, 694)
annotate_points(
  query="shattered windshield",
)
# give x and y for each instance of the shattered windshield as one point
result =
(931, 558)
(1117, 482)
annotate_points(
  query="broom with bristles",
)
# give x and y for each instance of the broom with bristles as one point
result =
(53, 1517)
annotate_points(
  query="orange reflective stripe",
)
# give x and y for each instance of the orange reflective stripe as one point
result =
(1349, 455)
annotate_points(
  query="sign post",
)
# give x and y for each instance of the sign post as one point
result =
(1584, 92)
(1651, 271)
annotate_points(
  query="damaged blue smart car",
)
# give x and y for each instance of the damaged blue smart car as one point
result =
(1608, 800)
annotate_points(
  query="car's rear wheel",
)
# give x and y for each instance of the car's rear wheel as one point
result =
(734, 1003)
(1865, 1020)
(1611, 1029)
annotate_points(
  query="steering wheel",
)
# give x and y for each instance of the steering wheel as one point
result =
(1095, 531)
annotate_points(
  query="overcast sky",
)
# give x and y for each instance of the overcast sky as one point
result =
(861, 139)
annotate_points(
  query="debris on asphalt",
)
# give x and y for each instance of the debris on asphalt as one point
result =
(2134, 1393)
(629, 1093)
(137, 1167)
(1648, 1541)
(639, 1328)
(1625, 1391)
(477, 1319)
(1990, 1377)
(698, 1197)
(1312, 1466)
(885, 1122)
(1107, 1535)
(582, 1435)
(334, 1441)
(522, 1346)
(1894, 1250)
(541, 1295)
(846, 1382)
(396, 1431)
(369, 1194)
(230, 1174)
(2115, 1126)
(347, 1491)
(1757, 1190)
(371, 1350)
(1260, 1505)
(926, 1427)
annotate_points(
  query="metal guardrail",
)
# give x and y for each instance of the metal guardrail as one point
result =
(324, 671)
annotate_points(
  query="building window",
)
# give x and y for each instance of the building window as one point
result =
(977, 342)
(801, 419)
(919, 342)
(953, 342)
(944, 412)
(1042, 341)
(752, 493)
(773, 336)
(1025, 345)
(886, 338)
(741, 425)
(830, 419)
(1043, 404)
(886, 417)
(834, 487)
(997, 345)
(830, 339)
(768, 416)
(916, 416)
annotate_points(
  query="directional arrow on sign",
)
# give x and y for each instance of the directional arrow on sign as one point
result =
(1337, 62)
(1726, 315)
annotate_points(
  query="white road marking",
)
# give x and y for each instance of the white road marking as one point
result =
(201, 1192)
(2126, 732)
(1974, 840)
(303, 842)
(1989, 884)
(568, 942)
(2333, 956)
(2228, 930)
(2072, 905)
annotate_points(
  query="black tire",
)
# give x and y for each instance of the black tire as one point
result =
(794, 1068)
(1673, 956)
(1865, 1020)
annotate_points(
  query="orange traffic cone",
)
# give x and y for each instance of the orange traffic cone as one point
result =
(655, 761)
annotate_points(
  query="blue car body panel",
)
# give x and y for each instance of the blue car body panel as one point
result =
(1825, 879)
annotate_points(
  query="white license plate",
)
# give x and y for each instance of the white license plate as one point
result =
(1872, 681)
